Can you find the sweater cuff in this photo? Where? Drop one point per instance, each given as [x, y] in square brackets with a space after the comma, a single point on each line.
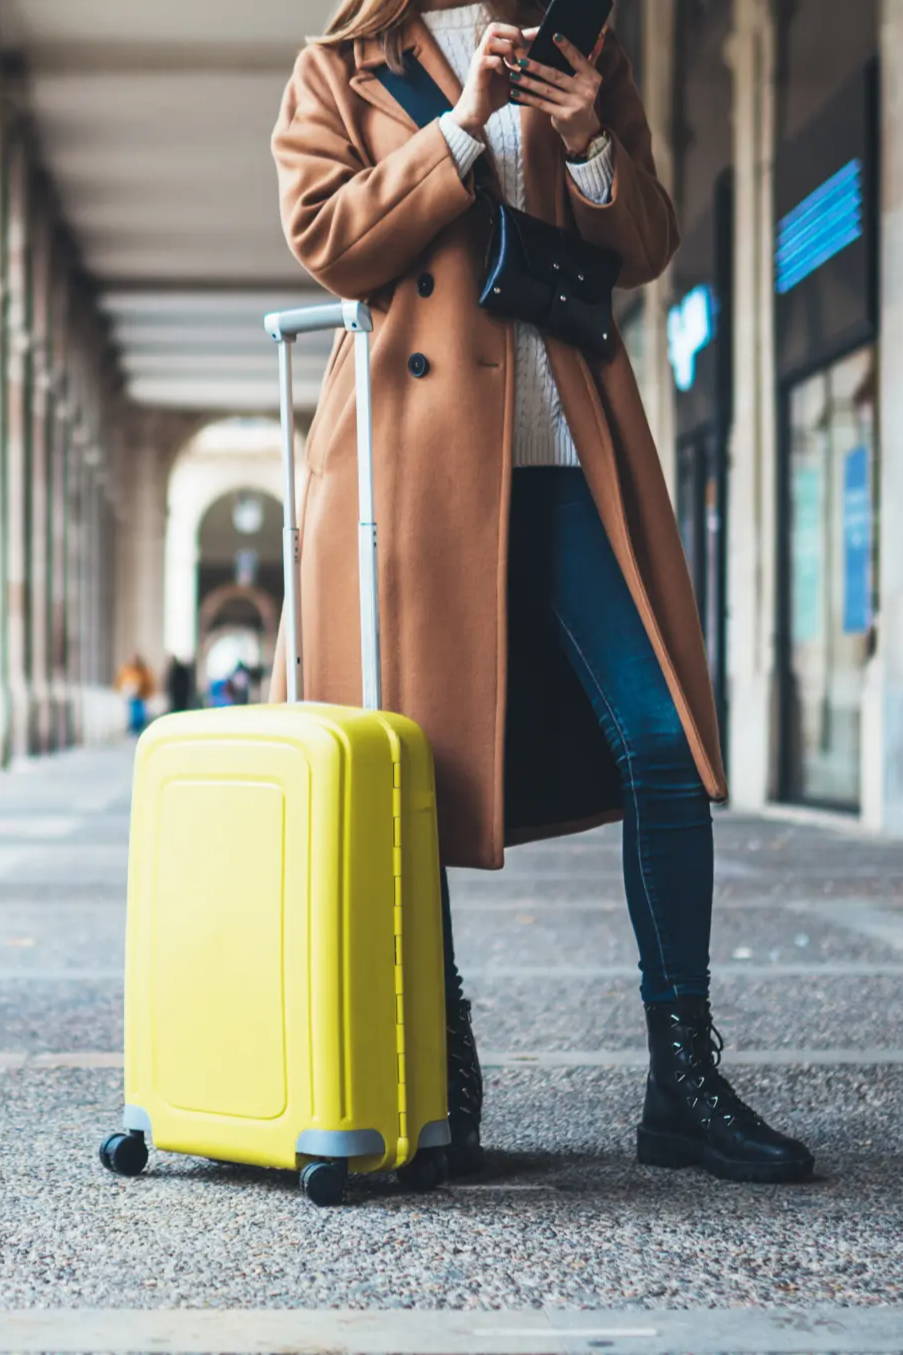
[594, 177]
[465, 149]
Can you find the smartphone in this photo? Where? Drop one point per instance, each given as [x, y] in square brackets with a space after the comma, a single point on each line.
[580, 20]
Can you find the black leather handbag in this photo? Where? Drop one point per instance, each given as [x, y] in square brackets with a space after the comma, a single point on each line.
[532, 271]
[551, 278]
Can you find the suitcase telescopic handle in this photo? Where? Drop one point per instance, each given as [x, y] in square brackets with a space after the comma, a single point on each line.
[284, 327]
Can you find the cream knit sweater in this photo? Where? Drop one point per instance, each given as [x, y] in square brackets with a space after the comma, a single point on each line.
[541, 434]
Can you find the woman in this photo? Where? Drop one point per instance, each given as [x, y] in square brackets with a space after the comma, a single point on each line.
[539, 618]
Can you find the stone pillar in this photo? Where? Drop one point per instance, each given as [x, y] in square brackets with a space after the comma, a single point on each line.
[60, 438]
[40, 230]
[90, 567]
[883, 717]
[75, 583]
[141, 531]
[752, 454]
[17, 453]
[659, 19]
[182, 559]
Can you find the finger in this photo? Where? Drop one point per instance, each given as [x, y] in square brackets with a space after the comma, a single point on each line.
[597, 50]
[550, 92]
[527, 36]
[548, 73]
[502, 46]
[498, 30]
[535, 101]
[573, 54]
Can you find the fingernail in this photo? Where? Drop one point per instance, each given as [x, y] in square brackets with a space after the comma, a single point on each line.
[523, 62]
[558, 37]
[515, 75]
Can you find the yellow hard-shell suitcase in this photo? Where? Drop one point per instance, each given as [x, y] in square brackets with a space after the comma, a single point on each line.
[284, 1000]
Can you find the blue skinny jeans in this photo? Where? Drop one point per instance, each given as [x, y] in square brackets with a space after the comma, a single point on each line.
[667, 846]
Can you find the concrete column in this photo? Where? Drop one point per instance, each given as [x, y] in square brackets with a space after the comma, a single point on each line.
[92, 563]
[75, 554]
[39, 611]
[4, 503]
[60, 435]
[659, 20]
[141, 535]
[883, 718]
[182, 559]
[17, 454]
[752, 455]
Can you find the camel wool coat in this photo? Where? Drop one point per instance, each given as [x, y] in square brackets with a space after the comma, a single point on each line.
[374, 209]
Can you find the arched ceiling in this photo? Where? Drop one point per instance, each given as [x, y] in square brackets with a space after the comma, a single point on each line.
[154, 118]
[219, 539]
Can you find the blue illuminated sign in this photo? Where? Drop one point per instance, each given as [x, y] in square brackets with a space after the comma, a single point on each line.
[824, 223]
[857, 542]
[691, 328]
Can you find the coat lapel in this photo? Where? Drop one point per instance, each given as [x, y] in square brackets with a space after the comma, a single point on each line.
[541, 145]
[417, 39]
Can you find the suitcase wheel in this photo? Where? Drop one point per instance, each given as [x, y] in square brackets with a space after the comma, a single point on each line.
[124, 1154]
[324, 1182]
[427, 1169]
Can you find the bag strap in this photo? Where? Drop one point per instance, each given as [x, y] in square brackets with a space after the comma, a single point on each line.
[415, 89]
[422, 99]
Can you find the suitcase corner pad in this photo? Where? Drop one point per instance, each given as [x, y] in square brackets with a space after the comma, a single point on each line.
[341, 1143]
[137, 1118]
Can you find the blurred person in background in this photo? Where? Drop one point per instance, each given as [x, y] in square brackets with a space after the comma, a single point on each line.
[136, 683]
[541, 619]
[179, 684]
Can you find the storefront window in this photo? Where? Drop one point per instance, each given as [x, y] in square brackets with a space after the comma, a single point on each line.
[830, 585]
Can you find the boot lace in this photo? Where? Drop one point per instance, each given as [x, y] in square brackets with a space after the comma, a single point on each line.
[701, 1046]
[465, 1079]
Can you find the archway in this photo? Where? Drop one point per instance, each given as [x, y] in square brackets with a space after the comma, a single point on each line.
[224, 502]
[237, 626]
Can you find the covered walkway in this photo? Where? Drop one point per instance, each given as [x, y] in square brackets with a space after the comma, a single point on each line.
[565, 1231]
[140, 249]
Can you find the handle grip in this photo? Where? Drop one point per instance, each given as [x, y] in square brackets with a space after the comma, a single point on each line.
[287, 325]
[284, 327]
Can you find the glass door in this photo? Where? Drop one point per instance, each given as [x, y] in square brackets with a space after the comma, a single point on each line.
[828, 579]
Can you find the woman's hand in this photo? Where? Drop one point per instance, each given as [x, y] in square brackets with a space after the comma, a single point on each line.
[570, 100]
[487, 87]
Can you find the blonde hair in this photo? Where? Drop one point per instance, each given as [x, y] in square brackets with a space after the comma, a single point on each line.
[385, 19]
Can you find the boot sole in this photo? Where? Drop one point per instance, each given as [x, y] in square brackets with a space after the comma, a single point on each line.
[465, 1160]
[658, 1149]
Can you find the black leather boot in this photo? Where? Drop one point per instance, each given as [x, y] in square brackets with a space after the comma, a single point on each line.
[465, 1092]
[693, 1116]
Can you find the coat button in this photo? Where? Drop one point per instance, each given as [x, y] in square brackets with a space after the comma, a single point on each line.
[418, 364]
[425, 284]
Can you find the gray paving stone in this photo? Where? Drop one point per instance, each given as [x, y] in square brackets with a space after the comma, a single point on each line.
[60, 1015]
[564, 1220]
[72, 935]
[564, 935]
[828, 1012]
[564, 1217]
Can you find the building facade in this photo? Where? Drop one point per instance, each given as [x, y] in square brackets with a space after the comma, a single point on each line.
[768, 355]
[778, 128]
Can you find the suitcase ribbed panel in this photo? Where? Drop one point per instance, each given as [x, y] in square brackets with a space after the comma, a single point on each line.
[398, 928]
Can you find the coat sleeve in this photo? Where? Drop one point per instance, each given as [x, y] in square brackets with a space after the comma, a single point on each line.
[355, 227]
[638, 221]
